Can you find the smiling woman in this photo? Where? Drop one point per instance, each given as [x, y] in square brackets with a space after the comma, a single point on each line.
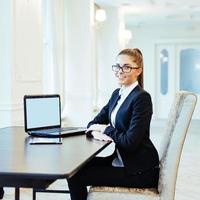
[124, 120]
[132, 67]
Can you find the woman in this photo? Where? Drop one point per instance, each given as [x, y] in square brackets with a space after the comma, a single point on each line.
[125, 120]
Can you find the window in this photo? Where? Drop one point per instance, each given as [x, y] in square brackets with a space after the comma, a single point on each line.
[164, 60]
[190, 70]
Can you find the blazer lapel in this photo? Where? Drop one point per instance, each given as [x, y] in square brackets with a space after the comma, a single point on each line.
[117, 97]
[129, 97]
[113, 103]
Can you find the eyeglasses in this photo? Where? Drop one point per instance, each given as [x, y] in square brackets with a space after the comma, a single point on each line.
[125, 68]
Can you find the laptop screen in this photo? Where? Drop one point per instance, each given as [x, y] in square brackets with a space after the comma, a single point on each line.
[42, 112]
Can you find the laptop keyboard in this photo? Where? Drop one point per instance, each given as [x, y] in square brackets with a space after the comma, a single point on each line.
[54, 130]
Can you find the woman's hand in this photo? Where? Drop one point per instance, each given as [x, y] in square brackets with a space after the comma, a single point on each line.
[100, 136]
[97, 127]
[97, 131]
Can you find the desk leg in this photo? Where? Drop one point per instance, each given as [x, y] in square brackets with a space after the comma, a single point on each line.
[34, 194]
[17, 193]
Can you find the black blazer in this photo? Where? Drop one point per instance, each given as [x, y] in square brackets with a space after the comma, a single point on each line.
[131, 132]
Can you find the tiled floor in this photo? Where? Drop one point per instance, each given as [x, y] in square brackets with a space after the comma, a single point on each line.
[188, 182]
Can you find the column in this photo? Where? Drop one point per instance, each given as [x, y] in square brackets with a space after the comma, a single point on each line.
[79, 61]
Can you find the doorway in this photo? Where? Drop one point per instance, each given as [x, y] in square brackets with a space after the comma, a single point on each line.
[177, 68]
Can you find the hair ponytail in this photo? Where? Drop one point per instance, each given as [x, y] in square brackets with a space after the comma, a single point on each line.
[140, 80]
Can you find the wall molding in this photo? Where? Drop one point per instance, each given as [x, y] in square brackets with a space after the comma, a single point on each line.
[11, 107]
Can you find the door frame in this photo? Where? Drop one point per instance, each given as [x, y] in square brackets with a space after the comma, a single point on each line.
[174, 46]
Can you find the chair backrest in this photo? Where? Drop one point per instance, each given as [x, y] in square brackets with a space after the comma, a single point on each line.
[177, 125]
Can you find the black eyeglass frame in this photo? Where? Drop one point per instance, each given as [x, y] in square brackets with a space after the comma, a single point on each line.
[117, 67]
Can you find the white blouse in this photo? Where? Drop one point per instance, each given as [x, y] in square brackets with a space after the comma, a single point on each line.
[123, 92]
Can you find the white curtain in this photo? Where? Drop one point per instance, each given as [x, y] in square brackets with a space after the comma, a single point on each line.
[53, 47]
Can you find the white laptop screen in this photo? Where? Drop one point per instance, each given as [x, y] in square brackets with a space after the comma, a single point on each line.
[42, 112]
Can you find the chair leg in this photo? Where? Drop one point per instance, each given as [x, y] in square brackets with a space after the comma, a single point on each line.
[17, 193]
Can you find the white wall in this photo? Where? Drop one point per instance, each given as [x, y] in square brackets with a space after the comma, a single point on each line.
[5, 61]
[28, 56]
[20, 57]
[107, 37]
[146, 37]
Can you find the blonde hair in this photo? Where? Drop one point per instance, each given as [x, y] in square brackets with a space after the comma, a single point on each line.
[137, 57]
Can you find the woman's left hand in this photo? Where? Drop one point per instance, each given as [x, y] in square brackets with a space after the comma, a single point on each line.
[100, 136]
[97, 127]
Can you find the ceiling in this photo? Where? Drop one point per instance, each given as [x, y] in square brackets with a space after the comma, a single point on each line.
[140, 12]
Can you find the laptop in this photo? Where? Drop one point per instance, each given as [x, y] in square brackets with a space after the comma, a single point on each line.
[42, 117]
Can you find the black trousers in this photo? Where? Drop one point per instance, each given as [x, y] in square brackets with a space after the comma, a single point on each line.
[100, 172]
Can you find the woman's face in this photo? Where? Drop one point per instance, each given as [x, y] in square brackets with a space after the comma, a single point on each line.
[127, 78]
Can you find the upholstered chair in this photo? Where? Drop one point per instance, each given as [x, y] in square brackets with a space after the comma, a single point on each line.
[170, 152]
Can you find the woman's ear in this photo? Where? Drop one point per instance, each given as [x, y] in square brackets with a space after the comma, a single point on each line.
[139, 71]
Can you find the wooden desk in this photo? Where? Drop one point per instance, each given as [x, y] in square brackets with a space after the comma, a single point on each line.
[36, 166]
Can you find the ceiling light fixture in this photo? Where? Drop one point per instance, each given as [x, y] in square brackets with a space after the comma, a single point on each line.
[127, 34]
[100, 15]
